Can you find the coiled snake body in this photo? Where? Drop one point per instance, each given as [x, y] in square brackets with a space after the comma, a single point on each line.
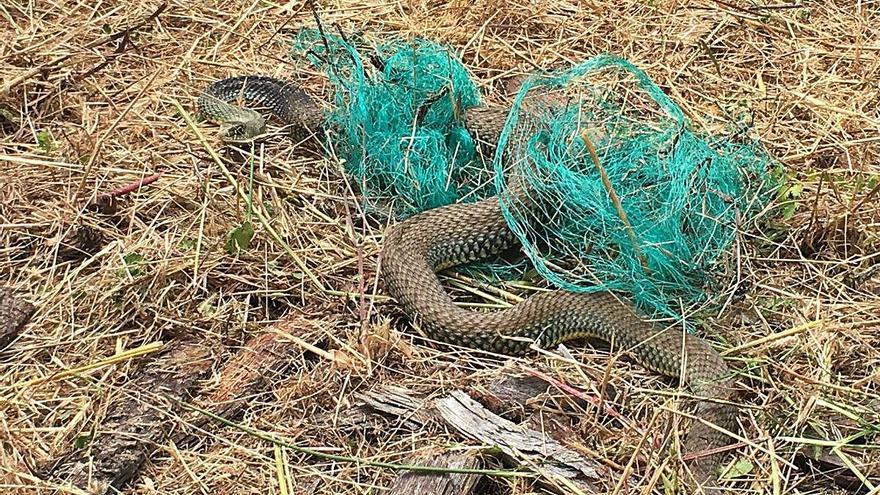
[415, 249]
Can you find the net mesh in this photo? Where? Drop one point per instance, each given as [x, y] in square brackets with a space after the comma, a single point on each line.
[396, 122]
[651, 210]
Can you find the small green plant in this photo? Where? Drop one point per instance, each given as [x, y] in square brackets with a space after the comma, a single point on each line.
[789, 199]
[240, 238]
[208, 307]
[788, 193]
[7, 114]
[133, 265]
[188, 243]
[82, 441]
[45, 142]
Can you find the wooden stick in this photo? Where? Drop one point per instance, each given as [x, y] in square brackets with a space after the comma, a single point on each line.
[616, 201]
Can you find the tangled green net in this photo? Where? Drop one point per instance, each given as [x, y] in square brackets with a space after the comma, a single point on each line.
[395, 120]
[658, 226]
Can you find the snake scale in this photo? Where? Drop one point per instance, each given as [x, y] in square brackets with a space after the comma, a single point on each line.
[416, 248]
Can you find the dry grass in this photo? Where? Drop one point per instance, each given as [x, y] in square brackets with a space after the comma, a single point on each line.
[80, 120]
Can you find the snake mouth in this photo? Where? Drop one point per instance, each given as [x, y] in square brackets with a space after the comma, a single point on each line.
[243, 129]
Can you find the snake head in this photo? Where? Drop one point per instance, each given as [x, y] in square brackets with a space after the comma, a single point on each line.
[246, 125]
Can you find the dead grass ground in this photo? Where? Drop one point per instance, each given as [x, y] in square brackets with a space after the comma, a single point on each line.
[79, 120]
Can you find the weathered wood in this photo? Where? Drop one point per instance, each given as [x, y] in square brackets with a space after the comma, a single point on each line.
[136, 422]
[250, 372]
[520, 444]
[14, 313]
[517, 442]
[400, 402]
[513, 393]
[410, 483]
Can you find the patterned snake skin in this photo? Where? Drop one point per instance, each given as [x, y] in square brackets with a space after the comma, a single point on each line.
[415, 249]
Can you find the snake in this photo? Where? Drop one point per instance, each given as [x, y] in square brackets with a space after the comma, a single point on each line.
[416, 249]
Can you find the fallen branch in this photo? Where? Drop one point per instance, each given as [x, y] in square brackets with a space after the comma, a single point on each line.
[559, 468]
[410, 483]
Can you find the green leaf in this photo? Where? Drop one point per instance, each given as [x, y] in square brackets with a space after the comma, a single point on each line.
[240, 238]
[788, 197]
[739, 468]
[133, 262]
[188, 243]
[45, 141]
[791, 190]
[206, 307]
[81, 441]
[788, 209]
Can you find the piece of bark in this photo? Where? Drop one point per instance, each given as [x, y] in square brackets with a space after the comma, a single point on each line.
[513, 393]
[521, 445]
[401, 403]
[410, 483]
[136, 422]
[828, 468]
[14, 313]
[544, 454]
[250, 372]
[259, 360]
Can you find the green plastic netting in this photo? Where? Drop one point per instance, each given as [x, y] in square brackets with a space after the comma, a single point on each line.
[679, 194]
[396, 122]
